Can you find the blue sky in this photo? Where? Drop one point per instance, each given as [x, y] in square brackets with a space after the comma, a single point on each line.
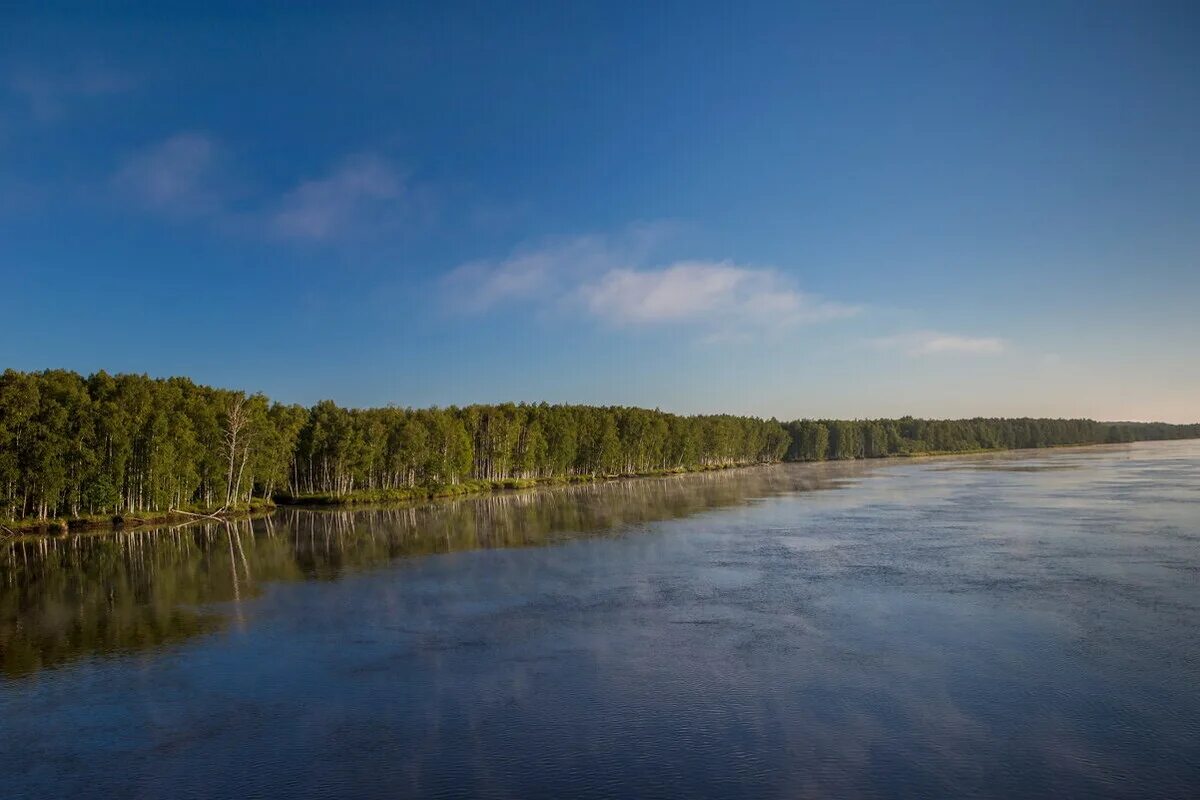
[782, 209]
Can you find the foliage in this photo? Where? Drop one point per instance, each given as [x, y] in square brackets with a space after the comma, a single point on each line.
[126, 444]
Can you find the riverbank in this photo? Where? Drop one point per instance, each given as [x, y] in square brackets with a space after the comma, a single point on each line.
[423, 494]
[475, 488]
[405, 496]
[471, 488]
[112, 522]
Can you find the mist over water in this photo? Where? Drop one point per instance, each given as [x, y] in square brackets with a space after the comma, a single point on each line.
[1021, 624]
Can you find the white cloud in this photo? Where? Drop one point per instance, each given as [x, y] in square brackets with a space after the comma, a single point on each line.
[935, 343]
[677, 292]
[716, 293]
[601, 277]
[50, 95]
[176, 176]
[362, 194]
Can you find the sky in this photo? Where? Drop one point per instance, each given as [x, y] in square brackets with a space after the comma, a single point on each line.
[783, 209]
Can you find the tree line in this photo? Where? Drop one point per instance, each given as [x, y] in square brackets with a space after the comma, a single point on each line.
[819, 440]
[126, 444]
[74, 446]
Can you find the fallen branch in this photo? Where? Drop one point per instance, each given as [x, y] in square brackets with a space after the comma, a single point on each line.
[9, 531]
[201, 516]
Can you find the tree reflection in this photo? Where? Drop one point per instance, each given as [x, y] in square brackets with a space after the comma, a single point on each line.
[77, 596]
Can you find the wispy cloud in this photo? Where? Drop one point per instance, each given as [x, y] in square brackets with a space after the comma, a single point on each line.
[605, 278]
[363, 194]
[50, 95]
[177, 176]
[547, 271]
[936, 343]
[189, 175]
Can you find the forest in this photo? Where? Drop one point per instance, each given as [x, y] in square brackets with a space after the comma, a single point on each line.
[122, 445]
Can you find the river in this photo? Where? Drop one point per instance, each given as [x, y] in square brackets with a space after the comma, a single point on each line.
[1018, 624]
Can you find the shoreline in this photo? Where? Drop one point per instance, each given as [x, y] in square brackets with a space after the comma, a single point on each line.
[32, 528]
[468, 489]
[477, 488]
[107, 523]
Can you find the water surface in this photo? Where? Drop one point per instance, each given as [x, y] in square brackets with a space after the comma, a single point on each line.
[1013, 625]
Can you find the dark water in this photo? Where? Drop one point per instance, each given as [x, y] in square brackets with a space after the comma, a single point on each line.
[1018, 625]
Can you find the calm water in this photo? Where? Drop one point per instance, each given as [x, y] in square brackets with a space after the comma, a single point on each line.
[1015, 625]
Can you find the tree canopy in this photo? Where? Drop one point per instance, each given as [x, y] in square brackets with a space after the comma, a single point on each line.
[120, 444]
[71, 445]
